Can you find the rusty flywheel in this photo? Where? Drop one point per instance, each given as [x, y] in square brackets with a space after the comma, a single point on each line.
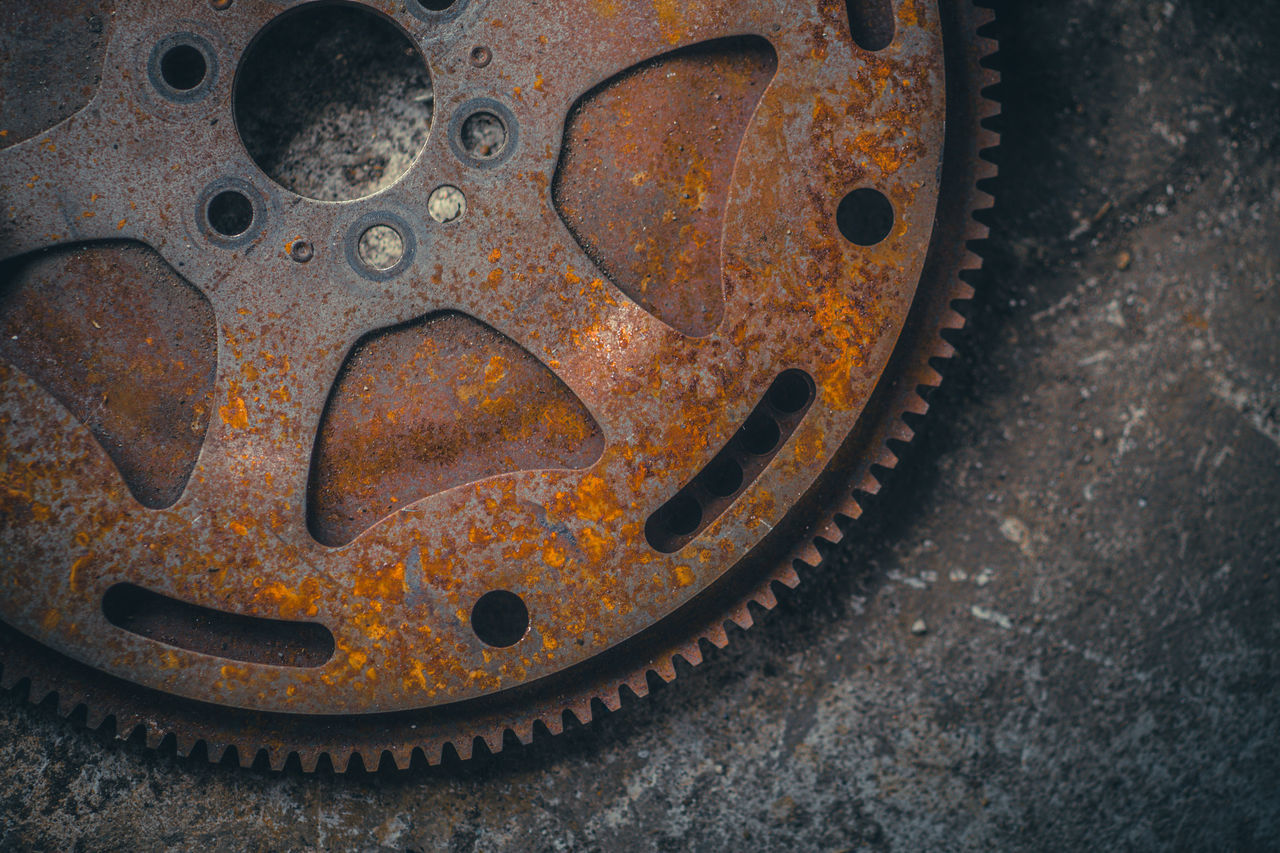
[287, 473]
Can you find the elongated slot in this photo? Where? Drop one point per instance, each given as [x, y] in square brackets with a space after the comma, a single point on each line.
[762, 435]
[248, 639]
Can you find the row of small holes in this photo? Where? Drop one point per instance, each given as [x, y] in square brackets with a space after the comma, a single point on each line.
[736, 466]
[501, 619]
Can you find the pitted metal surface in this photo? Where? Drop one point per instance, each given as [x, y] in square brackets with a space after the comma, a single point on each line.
[250, 429]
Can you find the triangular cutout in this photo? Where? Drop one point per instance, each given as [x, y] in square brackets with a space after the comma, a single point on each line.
[645, 171]
[126, 345]
[431, 405]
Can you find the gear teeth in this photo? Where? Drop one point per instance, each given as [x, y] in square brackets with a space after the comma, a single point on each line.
[741, 616]
[787, 576]
[691, 654]
[765, 598]
[523, 732]
[902, 432]
[665, 669]
[433, 753]
[276, 757]
[581, 710]
[492, 740]
[717, 636]
[637, 684]
[808, 554]
[555, 725]
[95, 717]
[308, 759]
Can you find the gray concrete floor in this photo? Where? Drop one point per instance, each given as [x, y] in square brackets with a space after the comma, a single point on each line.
[1089, 527]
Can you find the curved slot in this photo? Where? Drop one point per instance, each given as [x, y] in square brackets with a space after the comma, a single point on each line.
[871, 23]
[761, 436]
[248, 639]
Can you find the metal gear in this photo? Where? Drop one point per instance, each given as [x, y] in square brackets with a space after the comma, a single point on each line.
[437, 466]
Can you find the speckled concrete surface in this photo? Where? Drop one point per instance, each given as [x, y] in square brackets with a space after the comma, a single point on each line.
[1089, 531]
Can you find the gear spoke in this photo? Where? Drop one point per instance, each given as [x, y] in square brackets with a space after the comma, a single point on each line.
[275, 372]
[45, 201]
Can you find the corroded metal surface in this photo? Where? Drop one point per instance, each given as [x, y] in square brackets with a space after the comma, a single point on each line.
[504, 408]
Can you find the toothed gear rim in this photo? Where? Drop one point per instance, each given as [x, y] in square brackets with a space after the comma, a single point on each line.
[598, 680]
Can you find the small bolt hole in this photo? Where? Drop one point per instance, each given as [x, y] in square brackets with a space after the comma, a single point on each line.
[682, 514]
[230, 213]
[183, 67]
[484, 136]
[447, 204]
[436, 5]
[381, 247]
[500, 619]
[302, 251]
[759, 436]
[481, 56]
[865, 217]
[723, 478]
[791, 392]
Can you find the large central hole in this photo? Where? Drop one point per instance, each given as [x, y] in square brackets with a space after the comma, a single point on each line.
[333, 102]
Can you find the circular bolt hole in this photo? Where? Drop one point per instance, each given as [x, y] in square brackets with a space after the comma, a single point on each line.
[447, 204]
[865, 217]
[500, 619]
[333, 102]
[381, 247]
[723, 478]
[302, 251]
[759, 436]
[481, 56]
[436, 5]
[183, 67]
[791, 392]
[484, 135]
[230, 213]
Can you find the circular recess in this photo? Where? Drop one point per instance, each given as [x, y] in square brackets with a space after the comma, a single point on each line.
[317, 85]
[183, 67]
[683, 515]
[792, 391]
[302, 251]
[500, 619]
[435, 11]
[865, 217]
[759, 436]
[447, 204]
[380, 245]
[230, 213]
[483, 133]
[481, 56]
[723, 478]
